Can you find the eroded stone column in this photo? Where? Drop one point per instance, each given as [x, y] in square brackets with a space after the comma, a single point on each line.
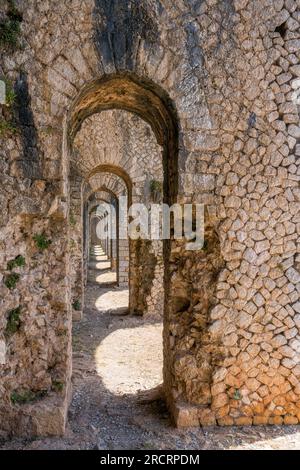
[76, 247]
[123, 262]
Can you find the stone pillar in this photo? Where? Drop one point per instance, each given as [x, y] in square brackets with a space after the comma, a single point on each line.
[146, 278]
[76, 248]
[113, 254]
[94, 237]
[86, 244]
[123, 263]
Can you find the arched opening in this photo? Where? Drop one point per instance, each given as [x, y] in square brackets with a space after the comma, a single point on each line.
[102, 248]
[115, 97]
[139, 96]
[103, 188]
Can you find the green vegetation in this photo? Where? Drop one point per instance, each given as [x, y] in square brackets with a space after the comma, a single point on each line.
[10, 27]
[76, 305]
[41, 241]
[10, 93]
[7, 128]
[237, 395]
[26, 396]
[57, 386]
[72, 220]
[18, 262]
[11, 280]
[156, 190]
[155, 186]
[148, 445]
[13, 321]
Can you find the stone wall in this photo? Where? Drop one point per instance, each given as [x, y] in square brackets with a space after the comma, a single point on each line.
[225, 75]
[76, 248]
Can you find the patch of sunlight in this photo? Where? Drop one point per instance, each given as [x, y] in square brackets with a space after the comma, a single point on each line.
[100, 258]
[106, 277]
[131, 359]
[112, 299]
[102, 265]
[286, 441]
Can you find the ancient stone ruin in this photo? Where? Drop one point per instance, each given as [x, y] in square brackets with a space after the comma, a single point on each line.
[182, 101]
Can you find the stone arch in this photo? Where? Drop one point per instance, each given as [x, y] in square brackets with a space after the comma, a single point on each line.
[97, 216]
[107, 195]
[79, 250]
[141, 96]
[136, 261]
[119, 181]
[115, 170]
[239, 154]
[126, 91]
[103, 189]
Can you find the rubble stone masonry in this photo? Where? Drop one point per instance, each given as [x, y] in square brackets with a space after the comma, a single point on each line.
[218, 83]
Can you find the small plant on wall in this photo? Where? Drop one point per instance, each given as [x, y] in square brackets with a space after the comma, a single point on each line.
[18, 262]
[76, 305]
[7, 128]
[21, 397]
[10, 27]
[72, 220]
[41, 241]
[237, 395]
[13, 321]
[57, 386]
[11, 280]
[10, 94]
[156, 190]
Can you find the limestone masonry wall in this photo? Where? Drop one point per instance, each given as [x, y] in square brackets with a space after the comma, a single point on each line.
[218, 82]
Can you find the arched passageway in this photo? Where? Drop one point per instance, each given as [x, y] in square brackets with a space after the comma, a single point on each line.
[139, 168]
[103, 255]
[102, 192]
[231, 339]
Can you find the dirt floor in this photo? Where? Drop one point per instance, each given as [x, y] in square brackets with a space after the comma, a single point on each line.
[117, 358]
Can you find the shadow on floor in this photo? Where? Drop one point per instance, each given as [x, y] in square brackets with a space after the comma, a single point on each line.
[106, 420]
[99, 269]
[113, 357]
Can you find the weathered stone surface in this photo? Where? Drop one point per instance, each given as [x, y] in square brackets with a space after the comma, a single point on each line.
[186, 416]
[222, 94]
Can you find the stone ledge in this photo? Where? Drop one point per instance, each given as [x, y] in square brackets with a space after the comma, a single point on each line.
[41, 419]
[185, 415]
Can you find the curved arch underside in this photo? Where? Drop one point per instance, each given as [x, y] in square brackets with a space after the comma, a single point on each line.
[100, 171]
[103, 191]
[139, 96]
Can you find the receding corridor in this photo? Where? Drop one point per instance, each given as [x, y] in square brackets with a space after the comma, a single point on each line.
[100, 270]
